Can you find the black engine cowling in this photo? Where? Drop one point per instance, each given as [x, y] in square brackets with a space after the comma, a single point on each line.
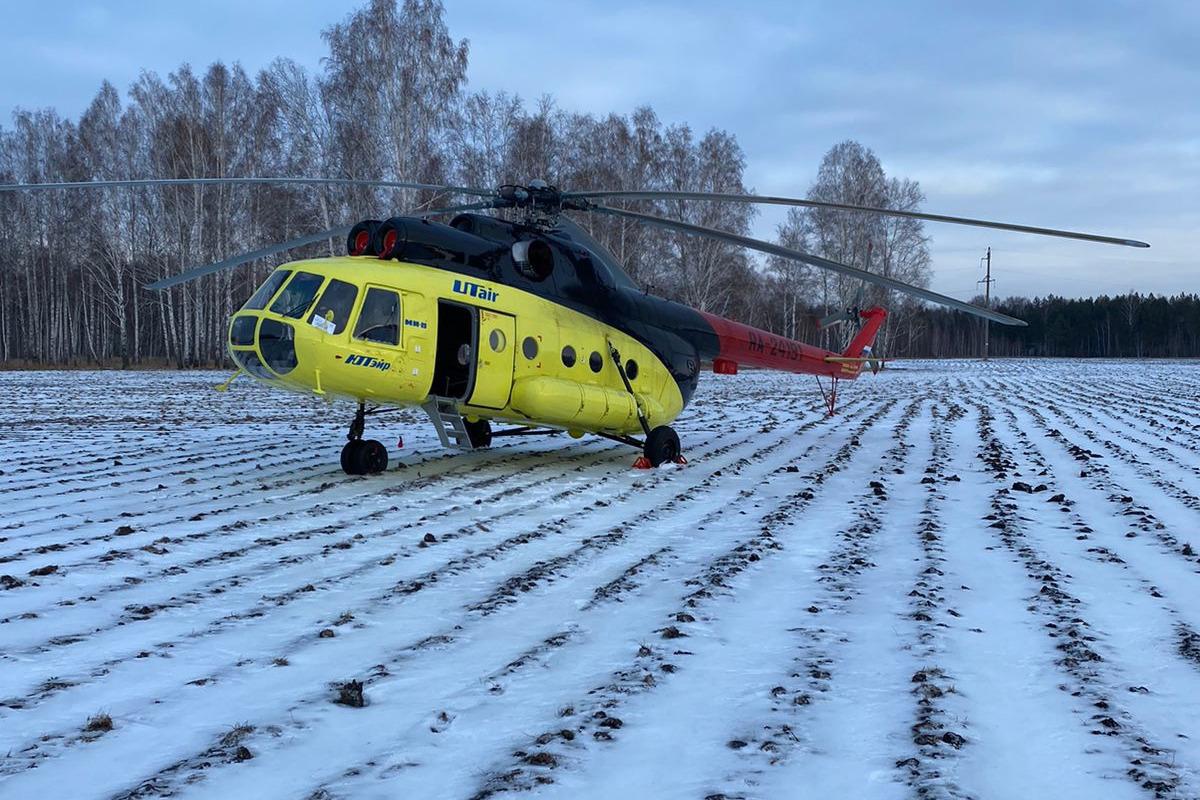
[423, 241]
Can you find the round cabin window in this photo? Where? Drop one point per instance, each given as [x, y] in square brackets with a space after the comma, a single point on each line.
[530, 348]
[631, 369]
[497, 341]
[595, 361]
[568, 356]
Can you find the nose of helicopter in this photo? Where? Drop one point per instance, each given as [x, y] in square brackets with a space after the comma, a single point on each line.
[276, 352]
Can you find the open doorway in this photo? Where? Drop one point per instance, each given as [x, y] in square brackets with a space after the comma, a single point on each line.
[457, 341]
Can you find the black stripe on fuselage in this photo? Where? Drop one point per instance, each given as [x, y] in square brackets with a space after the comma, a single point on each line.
[584, 280]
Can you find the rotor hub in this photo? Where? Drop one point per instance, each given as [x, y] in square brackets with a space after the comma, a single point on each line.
[541, 203]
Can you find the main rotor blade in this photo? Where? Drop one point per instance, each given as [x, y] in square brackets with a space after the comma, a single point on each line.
[141, 182]
[816, 261]
[434, 212]
[887, 212]
[234, 261]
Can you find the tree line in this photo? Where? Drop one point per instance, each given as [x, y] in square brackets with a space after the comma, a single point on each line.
[391, 103]
[1128, 326]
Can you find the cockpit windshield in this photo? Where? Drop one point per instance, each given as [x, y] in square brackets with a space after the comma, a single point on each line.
[298, 295]
[333, 312]
[268, 289]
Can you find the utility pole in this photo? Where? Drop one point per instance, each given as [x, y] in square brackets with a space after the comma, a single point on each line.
[987, 300]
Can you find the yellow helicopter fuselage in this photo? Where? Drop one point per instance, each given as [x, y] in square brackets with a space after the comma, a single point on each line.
[399, 334]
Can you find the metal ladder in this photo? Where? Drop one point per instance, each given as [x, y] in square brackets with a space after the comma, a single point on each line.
[450, 426]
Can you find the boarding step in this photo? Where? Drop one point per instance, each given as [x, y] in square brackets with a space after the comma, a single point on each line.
[448, 422]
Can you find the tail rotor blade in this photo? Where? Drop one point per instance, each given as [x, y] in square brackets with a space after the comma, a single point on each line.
[832, 320]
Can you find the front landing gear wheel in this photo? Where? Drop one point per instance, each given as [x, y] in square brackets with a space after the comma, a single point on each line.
[662, 445]
[364, 457]
[479, 432]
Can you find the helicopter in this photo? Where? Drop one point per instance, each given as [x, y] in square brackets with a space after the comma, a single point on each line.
[527, 321]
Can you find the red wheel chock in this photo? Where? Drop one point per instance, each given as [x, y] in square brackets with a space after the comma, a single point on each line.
[644, 463]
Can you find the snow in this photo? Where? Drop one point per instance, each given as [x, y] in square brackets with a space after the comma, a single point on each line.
[978, 580]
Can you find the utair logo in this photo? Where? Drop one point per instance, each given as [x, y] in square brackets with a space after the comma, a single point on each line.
[475, 290]
[369, 362]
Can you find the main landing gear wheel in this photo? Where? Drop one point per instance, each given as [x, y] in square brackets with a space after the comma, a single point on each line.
[364, 457]
[662, 445]
[479, 432]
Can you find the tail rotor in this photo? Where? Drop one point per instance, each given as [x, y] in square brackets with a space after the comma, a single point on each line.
[851, 313]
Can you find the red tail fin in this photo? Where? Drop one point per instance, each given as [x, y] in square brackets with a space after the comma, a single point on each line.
[865, 337]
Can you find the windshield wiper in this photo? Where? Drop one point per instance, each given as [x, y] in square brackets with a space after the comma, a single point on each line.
[297, 311]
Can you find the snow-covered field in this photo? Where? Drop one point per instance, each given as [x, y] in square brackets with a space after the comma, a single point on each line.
[977, 581]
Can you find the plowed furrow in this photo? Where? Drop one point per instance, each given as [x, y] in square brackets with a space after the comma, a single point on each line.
[407, 588]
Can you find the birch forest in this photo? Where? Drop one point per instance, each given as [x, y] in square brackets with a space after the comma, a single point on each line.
[391, 102]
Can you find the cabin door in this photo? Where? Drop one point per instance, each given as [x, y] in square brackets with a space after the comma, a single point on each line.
[494, 359]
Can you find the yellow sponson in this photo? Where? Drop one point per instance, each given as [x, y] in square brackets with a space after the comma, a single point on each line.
[503, 353]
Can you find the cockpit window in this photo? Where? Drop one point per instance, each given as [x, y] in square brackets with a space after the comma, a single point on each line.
[333, 310]
[298, 295]
[379, 319]
[268, 289]
[277, 340]
[241, 333]
[249, 361]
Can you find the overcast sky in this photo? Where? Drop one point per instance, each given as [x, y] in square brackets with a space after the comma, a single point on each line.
[1078, 115]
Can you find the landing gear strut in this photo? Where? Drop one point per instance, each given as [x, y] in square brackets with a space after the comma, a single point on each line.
[830, 397]
[662, 443]
[359, 456]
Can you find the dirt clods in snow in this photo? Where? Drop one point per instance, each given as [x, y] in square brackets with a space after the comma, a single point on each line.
[351, 694]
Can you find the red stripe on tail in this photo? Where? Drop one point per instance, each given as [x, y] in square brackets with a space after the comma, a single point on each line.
[747, 346]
